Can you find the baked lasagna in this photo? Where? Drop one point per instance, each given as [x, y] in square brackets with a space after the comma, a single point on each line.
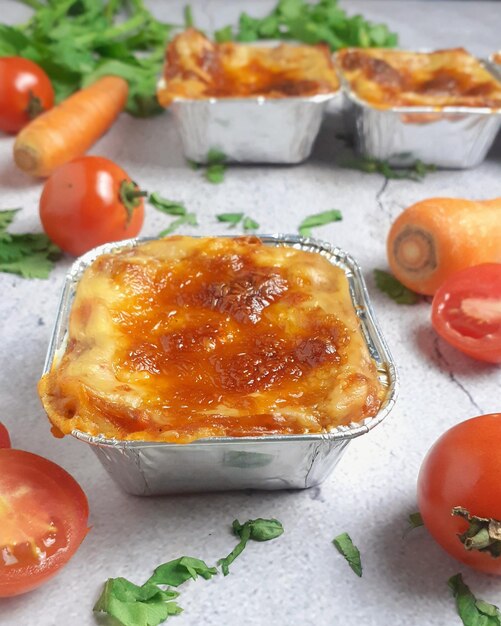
[183, 338]
[197, 68]
[394, 78]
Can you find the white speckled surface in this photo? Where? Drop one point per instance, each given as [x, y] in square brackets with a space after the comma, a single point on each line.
[299, 578]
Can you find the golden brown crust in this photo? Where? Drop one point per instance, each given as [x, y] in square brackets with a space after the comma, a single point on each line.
[390, 78]
[183, 338]
[197, 68]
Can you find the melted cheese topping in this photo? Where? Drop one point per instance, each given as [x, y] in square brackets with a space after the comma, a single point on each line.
[197, 68]
[389, 78]
[182, 338]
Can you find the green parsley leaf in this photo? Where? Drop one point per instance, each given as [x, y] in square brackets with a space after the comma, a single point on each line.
[180, 570]
[28, 255]
[170, 207]
[319, 219]
[136, 606]
[311, 22]
[392, 287]
[215, 173]
[190, 219]
[6, 218]
[216, 157]
[351, 553]
[415, 520]
[473, 612]
[257, 530]
[230, 218]
[249, 224]
[416, 172]
[223, 34]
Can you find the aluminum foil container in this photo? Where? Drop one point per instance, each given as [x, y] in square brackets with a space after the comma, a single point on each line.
[250, 130]
[224, 463]
[451, 137]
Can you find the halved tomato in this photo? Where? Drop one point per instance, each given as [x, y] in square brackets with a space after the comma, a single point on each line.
[4, 437]
[466, 311]
[43, 520]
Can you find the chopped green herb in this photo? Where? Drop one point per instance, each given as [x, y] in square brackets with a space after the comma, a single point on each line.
[415, 520]
[28, 255]
[180, 570]
[319, 219]
[417, 171]
[351, 553]
[170, 207]
[255, 529]
[190, 219]
[77, 41]
[230, 218]
[388, 284]
[249, 224]
[188, 17]
[215, 166]
[316, 22]
[473, 612]
[131, 605]
[236, 218]
[223, 34]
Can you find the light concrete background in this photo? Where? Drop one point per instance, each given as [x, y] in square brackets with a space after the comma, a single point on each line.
[299, 578]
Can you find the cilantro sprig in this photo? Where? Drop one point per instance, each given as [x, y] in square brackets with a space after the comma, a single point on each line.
[150, 604]
[173, 208]
[256, 529]
[77, 41]
[317, 22]
[345, 546]
[234, 219]
[28, 255]
[416, 171]
[319, 219]
[393, 288]
[472, 612]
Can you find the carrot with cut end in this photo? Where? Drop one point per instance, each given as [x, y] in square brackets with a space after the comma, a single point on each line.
[69, 130]
[434, 238]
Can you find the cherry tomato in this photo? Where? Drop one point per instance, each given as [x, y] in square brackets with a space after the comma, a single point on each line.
[463, 469]
[88, 202]
[4, 437]
[466, 311]
[25, 92]
[43, 520]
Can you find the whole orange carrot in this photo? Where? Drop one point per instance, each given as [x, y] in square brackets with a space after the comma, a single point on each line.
[70, 129]
[434, 238]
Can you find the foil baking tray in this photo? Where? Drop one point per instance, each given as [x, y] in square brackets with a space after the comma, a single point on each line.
[250, 130]
[225, 463]
[450, 137]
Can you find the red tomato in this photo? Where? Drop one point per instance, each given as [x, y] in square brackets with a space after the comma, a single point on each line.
[4, 437]
[466, 311]
[88, 202]
[43, 520]
[463, 469]
[25, 92]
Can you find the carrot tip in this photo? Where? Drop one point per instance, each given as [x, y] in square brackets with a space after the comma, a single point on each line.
[414, 251]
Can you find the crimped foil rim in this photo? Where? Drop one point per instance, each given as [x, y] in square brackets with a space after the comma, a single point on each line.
[446, 110]
[369, 325]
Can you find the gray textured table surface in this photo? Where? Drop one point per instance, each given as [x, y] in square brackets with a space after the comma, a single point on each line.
[300, 578]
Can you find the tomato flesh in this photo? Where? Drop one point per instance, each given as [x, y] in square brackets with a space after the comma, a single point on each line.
[43, 520]
[463, 469]
[25, 90]
[4, 437]
[466, 311]
[81, 206]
